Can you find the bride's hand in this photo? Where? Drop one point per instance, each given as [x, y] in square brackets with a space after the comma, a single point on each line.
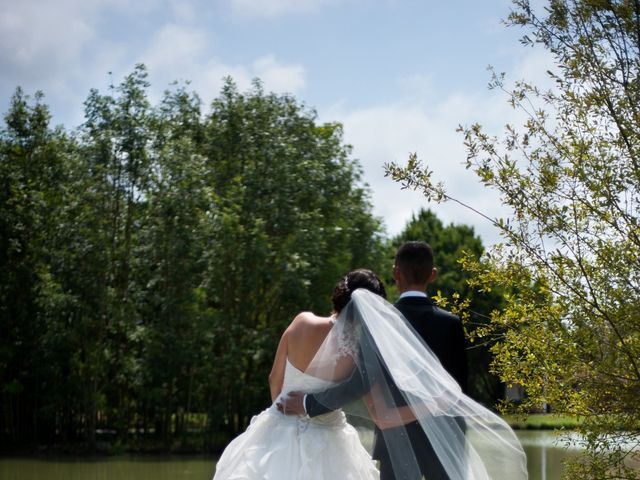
[291, 404]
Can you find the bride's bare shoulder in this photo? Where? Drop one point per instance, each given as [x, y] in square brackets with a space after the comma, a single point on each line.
[307, 322]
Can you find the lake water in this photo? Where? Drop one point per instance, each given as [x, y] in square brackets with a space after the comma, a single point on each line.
[545, 453]
[544, 457]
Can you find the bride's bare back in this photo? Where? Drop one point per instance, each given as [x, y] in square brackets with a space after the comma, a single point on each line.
[299, 343]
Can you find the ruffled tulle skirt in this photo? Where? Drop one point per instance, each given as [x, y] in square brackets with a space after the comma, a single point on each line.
[279, 447]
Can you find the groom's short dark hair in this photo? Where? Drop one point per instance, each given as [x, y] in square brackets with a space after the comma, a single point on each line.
[415, 261]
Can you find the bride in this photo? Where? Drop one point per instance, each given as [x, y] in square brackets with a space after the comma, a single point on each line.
[401, 386]
[280, 447]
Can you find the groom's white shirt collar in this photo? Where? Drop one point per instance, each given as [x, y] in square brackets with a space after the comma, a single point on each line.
[413, 293]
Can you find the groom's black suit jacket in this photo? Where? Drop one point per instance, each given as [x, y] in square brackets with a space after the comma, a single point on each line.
[444, 334]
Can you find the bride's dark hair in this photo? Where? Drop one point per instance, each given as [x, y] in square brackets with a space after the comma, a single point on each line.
[360, 278]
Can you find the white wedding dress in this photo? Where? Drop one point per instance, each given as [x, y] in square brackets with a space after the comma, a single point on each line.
[279, 447]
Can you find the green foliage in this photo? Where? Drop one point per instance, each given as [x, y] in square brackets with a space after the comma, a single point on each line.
[570, 174]
[291, 219]
[151, 260]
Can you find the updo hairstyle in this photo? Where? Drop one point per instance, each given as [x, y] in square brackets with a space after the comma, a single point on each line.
[360, 278]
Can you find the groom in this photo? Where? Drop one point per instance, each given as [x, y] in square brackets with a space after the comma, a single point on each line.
[442, 331]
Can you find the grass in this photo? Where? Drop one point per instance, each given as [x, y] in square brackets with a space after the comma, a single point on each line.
[542, 421]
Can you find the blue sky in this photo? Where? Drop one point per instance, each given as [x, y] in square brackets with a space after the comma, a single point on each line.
[399, 74]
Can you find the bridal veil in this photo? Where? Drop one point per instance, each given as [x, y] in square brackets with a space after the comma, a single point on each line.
[391, 376]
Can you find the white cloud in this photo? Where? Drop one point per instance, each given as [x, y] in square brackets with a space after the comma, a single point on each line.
[39, 37]
[183, 10]
[175, 49]
[179, 52]
[426, 124]
[418, 88]
[275, 76]
[385, 133]
[57, 47]
[279, 77]
[32, 42]
[388, 133]
[533, 67]
[275, 8]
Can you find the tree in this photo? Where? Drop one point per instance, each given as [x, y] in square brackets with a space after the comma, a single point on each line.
[175, 350]
[291, 218]
[114, 149]
[32, 165]
[570, 174]
[453, 244]
[151, 260]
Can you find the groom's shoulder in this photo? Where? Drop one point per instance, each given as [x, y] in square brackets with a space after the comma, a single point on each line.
[445, 315]
[425, 307]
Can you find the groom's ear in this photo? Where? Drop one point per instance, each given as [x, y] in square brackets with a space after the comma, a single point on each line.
[396, 273]
[434, 274]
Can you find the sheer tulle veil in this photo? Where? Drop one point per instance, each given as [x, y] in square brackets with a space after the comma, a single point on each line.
[406, 388]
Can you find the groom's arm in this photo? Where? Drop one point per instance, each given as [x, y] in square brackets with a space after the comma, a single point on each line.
[357, 385]
[336, 397]
[314, 404]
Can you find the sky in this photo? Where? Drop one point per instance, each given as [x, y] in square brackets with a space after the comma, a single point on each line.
[400, 75]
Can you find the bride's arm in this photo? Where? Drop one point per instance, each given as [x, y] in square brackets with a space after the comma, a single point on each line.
[384, 416]
[276, 377]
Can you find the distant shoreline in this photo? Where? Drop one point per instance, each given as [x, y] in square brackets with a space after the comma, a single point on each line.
[151, 447]
[543, 421]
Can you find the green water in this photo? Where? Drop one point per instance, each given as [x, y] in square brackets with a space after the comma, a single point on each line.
[110, 468]
[545, 454]
[544, 462]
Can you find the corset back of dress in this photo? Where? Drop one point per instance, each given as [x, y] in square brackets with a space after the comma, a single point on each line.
[297, 380]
